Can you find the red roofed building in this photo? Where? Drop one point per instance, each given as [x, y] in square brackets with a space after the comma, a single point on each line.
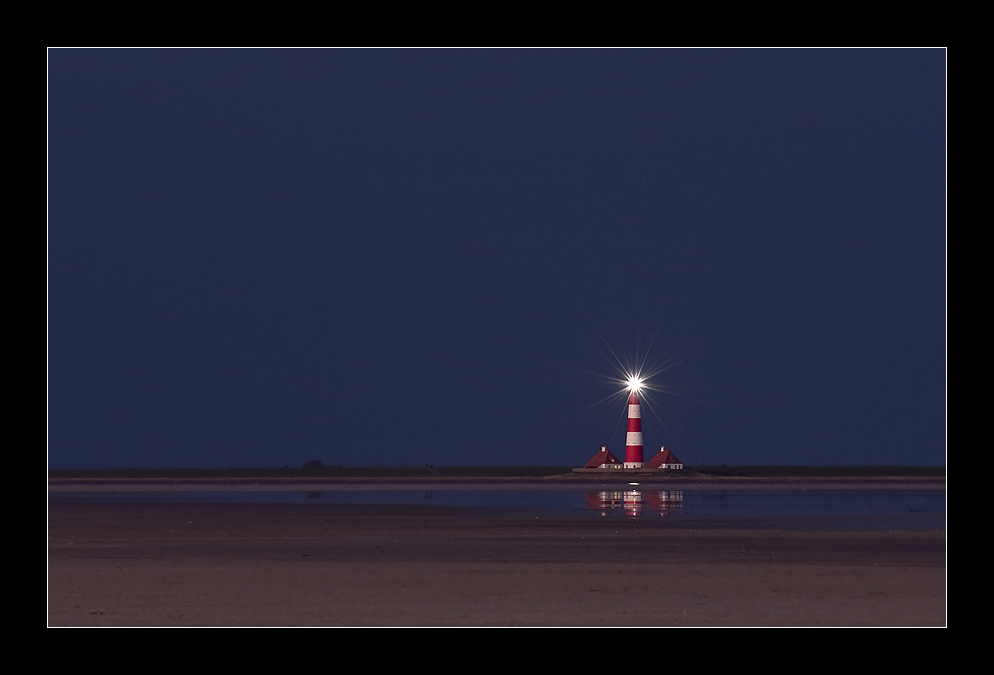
[664, 459]
[603, 460]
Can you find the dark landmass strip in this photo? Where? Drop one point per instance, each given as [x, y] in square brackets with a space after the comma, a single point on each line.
[563, 472]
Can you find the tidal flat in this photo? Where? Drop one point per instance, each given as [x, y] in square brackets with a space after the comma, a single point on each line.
[318, 563]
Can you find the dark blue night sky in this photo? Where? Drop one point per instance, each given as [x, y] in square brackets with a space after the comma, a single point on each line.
[401, 257]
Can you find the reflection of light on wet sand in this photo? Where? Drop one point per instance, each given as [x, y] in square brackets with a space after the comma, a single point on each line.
[603, 499]
[664, 501]
[635, 502]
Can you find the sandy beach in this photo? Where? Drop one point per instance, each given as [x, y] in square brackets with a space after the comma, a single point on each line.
[340, 565]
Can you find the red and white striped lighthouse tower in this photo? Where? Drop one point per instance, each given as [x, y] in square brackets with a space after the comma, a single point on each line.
[633, 444]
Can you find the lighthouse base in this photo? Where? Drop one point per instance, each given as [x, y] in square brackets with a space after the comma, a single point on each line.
[634, 465]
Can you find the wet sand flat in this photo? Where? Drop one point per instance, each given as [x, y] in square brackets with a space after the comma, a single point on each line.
[336, 565]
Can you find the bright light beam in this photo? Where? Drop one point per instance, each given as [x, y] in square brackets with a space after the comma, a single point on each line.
[634, 383]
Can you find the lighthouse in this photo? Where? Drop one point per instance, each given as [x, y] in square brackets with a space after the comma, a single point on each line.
[633, 444]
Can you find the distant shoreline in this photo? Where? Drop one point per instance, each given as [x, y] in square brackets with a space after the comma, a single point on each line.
[59, 484]
[557, 474]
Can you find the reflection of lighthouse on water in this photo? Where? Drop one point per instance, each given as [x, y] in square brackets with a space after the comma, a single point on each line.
[635, 502]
